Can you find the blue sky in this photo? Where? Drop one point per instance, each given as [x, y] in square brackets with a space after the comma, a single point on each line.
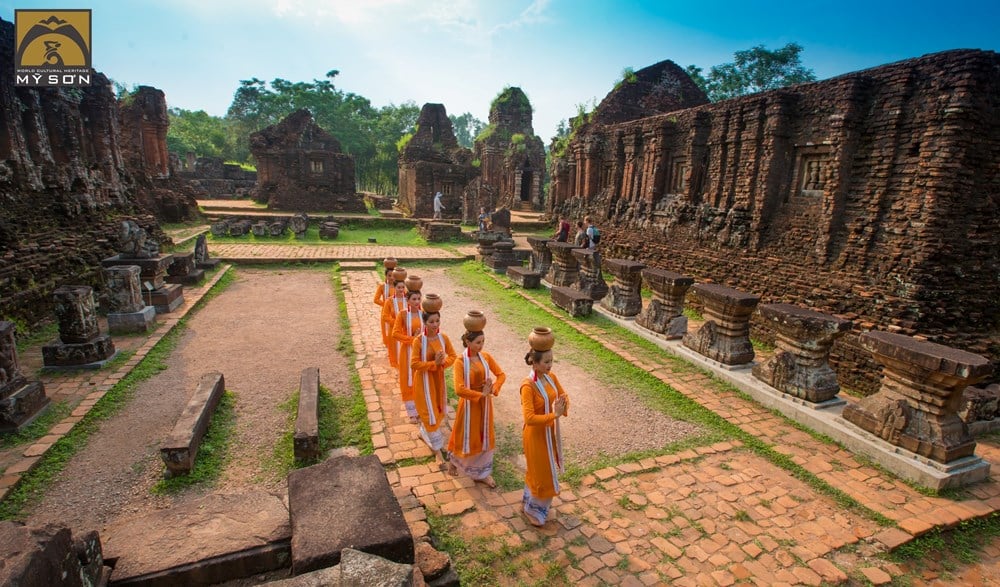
[462, 53]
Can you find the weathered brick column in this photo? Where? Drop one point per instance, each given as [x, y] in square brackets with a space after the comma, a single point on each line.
[725, 336]
[664, 313]
[624, 296]
[591, 280]
[541, 256]
[565, 271]
[916, 407]
[80, 340]
[801, 365]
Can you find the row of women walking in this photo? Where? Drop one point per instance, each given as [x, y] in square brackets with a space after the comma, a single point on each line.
[421, 353]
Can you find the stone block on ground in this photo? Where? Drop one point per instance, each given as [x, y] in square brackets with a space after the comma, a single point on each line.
[361, 569]
[181, 447]
[142, 321]
[525, 277]
[573, 301]
[51, 555]
[341, 503]
[217, 538]
[306, 439]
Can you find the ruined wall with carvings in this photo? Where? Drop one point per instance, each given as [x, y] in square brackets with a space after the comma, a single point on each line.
[432, 161]
[65, 184]
[874, 195]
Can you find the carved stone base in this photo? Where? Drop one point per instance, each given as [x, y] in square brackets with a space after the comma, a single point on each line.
[916, 431]
[728, 350]
[21, 404]
[209, 264]
[152, 270]
[622, 302]
[786, 373]
[82, 355]
[167, 298]
[193, 278]
[132, 322]
[661, 318]
[526, 278]
[576, 303]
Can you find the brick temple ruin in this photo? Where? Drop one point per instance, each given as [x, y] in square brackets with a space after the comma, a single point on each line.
[301, 167]
[874, 195]
[431, 162]
[74, 163]
[215, 179]
[511, 157]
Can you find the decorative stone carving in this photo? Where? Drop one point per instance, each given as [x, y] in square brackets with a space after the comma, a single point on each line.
[591, 280]
[541, 256]
[134, 243]
[299, 224]
[20, 400]
[502, 257]
[725, 336]
[801, 366]
[565, 270]
[127, 312]
[80, 343]
[916, 407]
[664, 314]
[183, 269]
[201, 258]
[625, 294]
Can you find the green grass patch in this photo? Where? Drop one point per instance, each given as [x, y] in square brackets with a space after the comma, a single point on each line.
[41, 334]
[693, 314]
[962, 545]
[483, 560]
[32, 486]
[350, 233]
[508, 447]
[37, 428]
[211, 457]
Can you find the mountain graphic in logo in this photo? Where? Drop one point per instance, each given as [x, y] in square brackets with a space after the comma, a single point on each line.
[55, 42]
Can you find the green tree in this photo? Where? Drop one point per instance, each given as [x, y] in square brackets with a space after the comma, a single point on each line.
[753, 70]
[200, 133]
[467, 127]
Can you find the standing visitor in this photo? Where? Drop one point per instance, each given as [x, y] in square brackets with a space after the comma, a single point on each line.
[581, 239]
[543, 402]
[438, 206]
[484, 218]
[390, 309]
[478, 380]
[431, 353]
[562, 234]
[407, 328]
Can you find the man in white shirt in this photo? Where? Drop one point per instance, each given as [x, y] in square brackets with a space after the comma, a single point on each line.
[438, 206]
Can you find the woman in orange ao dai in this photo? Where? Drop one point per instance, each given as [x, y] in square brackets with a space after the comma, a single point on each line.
[392, 306]
[430, 354]
[407, 327]
[477, 379]
[543, 402]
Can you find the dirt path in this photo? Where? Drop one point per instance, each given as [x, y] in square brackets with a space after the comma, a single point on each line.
[260, 333]
[606, 420]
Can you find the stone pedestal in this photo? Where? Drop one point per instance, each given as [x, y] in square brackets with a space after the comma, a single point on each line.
[502, 257]
[184, 271]
[152, 271]
[201, 259]
[21, 401]
[801, 366]
[524, 277]
[725, 336]
[625, 294]
[127, 313]
[329, 229]
[591, 281]
[664, 314]
[573, 301]
[260, 228]
[439, 232]
[916, 407]
[565, 270]
[80, 343]
[486, 240]
[541, 256]
[168, 298]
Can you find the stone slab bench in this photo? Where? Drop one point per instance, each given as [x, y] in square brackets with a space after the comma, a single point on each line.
[306, 440]
[345, 502]
[573, 301]
[524, 277]
[181, 447]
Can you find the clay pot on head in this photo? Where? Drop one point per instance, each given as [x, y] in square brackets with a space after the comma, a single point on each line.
[541, 339]
[398, 274]
[390, 262]
[413, 283]
[431, 303]
[474, 321]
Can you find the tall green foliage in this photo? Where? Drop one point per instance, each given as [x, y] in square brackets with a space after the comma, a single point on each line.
[201, 133]
[753, 70]
[466, 127]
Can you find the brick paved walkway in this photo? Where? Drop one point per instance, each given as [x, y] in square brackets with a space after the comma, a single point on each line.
[715, 515]
[258, 253]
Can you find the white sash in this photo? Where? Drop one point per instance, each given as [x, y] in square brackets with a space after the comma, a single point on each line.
[487, 400]
[427, 384]
[409, 332]
[395, 306]
[552, 436]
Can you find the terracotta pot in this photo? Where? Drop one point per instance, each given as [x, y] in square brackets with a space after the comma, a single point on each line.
[398, 274]
[390, 262]
[474, 321]
[541, 339]
[414, 283]
[431, 303]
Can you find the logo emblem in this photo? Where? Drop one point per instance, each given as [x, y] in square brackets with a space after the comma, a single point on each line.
[52, 48]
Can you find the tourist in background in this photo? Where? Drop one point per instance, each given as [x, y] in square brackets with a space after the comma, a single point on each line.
[477, 379]
[543, 402]
[408, 326]
[484, 219]
[562, 233]
[580, 239]
[431, 353]
[593, 237]
[438, 206]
